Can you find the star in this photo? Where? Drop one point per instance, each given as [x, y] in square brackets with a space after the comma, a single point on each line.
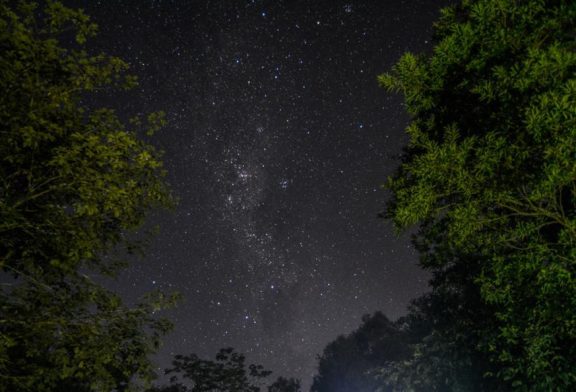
[278, 140]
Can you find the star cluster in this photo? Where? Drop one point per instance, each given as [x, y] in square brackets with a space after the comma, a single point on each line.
[278, 141]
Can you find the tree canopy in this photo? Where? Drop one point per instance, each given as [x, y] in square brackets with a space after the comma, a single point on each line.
[283, 384]
[73, 179]
[489, 176]
[74, 182]
[228, 372]
[349, 363]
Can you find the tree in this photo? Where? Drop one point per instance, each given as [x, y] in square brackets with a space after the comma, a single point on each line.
[285, 385]
[349, 363]
[490, 176]
[54, 341]
[74, 182]
[228, 372]
[442, 331]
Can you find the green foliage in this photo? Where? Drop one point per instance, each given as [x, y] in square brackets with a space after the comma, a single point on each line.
[54, 341]
[73, 183]
[490, 176]
[71, 180]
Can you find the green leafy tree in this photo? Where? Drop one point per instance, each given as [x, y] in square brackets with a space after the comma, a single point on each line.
[75, 336]
[74, 183]
[490, 176]
[72, 179]
[227, 373]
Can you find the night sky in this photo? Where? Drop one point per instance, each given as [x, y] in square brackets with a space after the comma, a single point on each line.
[278, 142]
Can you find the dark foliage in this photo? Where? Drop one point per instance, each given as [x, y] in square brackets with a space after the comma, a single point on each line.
[351, 363]
[227, 373]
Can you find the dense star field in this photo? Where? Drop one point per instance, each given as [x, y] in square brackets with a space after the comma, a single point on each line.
[278, 141]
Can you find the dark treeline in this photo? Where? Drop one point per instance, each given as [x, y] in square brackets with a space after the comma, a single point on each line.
[488, 178]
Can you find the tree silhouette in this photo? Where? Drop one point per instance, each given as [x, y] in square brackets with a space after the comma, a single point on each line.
[285, 385]
[350, 362]
[227, 373]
